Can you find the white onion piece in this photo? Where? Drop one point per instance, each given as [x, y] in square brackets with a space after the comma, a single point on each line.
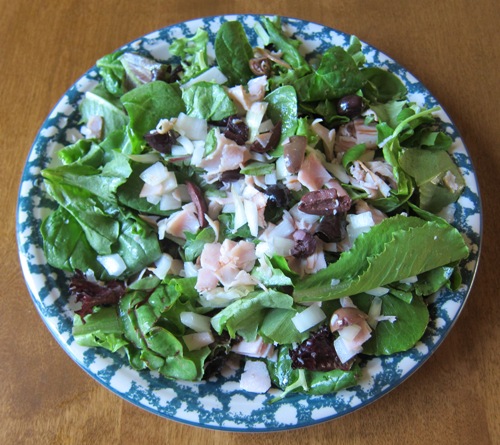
[282, 246]
[377, 291]
[190, 270]
[155, 174]
[308, 318]
[147, 158]
[374, 312]
[338, 171]
[198, 340]
[343, 351]
[409, 280]
[348, 333]
[197, 322]
[281, 171]
[254, 118]
[347, 302]
[213, 74]
[252, 216]
[163, 265]
[255, 377]
[186, 143]
[191, 127]
[113, 264]
[169, 202]
[151, 190]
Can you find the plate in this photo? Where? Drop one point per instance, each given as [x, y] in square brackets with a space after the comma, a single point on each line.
[219, 403]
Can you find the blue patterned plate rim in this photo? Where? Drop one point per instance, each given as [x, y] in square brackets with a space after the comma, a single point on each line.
[219, 403]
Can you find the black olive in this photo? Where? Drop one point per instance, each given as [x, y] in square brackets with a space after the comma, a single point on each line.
[279, 195]
[331, 229]
[350, 106]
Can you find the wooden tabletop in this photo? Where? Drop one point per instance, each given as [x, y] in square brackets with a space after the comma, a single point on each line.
[451, 46]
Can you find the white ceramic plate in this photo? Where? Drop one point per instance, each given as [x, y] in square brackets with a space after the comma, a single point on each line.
[219, 404]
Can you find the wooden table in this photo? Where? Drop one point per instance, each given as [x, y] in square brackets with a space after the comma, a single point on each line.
[451, 46]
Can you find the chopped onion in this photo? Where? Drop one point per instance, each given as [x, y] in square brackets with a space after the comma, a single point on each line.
[409, 280]
[169, 202]
[343, 351]
[252, 216]
[338, 171]
[281, 171]
[255, 377]
[254, 118]
[186, 143]
[113, 264]
[349, 333]
[190, 269]
[347, 302]
[163, 265]
[198, 340]
[377, 291]
[192, 127]
[155, 174]
[308, 318]
[282, 246]
[197, 322]
[374, 312]
[213, 74]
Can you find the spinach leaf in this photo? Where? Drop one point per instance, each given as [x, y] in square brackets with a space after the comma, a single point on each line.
[65, 244]
[389, 338]
[149, 103]
[233, 53]
[277, 326]
[208, 101]
[337, 76]
[99, 102]
[97, 217]
[438, 179]
[282, 106]
[382, 86]
[288, 46]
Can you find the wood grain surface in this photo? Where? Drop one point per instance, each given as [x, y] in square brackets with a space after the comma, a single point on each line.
[451, 46]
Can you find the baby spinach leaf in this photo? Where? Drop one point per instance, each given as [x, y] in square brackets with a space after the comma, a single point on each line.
[288, 46]
[102, 329]
[149, 103]
[233, 53]
[65, 244]
[99, 102]
[438, 179]
[196, 242]
[337, 76]
[208, 101]
[398, 336]
[382, 86]
[282, 106]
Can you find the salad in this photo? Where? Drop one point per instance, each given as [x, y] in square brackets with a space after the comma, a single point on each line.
[255, 205]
